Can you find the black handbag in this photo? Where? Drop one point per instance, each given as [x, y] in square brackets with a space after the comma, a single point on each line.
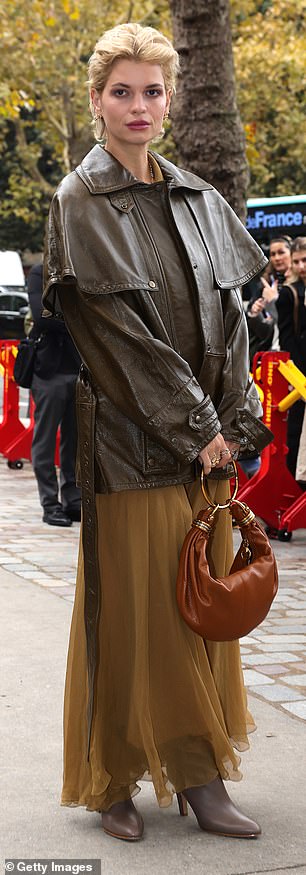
[25, 362]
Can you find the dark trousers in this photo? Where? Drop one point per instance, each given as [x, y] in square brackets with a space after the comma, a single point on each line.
[55, 407]
[294, 428]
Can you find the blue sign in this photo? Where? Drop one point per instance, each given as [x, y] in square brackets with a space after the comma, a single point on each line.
[261, 219]
[269, 217]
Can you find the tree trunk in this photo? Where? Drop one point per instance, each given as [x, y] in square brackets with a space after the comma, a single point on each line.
[206, 125]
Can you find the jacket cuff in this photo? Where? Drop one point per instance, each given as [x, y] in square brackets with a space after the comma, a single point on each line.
[256, 433]
[184, 429]
[251, 433]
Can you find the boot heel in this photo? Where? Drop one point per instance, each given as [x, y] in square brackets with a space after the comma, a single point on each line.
[182, 804]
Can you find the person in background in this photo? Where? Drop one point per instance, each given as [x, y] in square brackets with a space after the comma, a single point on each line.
[261, 327]
[261, 311]
[53, 388]
[260, 296]
[291, 307]
[261, 324]
[279, 268]
[300, 473]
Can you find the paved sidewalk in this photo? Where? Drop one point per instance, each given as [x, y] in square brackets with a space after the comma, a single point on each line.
[37, 572]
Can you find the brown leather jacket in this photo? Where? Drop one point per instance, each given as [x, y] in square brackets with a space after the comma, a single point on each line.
[152, 415]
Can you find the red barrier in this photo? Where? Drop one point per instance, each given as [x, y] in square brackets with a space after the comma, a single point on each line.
[273, 491]
[15, 438]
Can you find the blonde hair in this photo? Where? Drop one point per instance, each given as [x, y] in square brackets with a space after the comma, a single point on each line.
[137, 43]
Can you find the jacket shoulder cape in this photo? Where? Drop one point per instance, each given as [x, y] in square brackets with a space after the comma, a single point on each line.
[100, 174]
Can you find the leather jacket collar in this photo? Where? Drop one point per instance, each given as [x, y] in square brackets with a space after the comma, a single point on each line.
[102, 173]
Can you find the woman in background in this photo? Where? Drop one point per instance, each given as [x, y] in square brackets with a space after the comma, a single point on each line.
[262, 316]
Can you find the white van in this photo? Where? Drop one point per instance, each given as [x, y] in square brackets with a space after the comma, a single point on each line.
[13, 296]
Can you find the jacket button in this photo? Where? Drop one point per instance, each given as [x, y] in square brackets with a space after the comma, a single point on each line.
[152, 284]
[197, 418]
[124, 205]
[151, 462]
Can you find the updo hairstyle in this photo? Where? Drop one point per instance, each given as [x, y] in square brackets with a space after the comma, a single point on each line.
[134, 42]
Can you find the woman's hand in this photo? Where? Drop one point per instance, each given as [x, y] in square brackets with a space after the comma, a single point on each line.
[234, 447]
[257, 307]
[269, 293]
[216, 454]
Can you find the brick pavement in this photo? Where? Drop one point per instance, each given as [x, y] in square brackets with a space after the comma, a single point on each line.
[274, 655]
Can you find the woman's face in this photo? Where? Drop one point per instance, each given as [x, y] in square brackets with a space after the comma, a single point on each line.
[298, 261]
[133, 103]
[280, 256]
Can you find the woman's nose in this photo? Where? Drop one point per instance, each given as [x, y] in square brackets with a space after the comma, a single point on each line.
[138, 103]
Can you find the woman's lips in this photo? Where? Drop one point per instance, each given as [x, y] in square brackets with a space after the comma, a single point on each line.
[138, 125]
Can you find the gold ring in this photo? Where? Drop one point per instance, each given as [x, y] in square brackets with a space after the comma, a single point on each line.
[206, 493]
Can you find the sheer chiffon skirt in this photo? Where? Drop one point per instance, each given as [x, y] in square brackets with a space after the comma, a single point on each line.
[168, 706]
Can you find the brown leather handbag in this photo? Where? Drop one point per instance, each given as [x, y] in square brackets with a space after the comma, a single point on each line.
[226, 608]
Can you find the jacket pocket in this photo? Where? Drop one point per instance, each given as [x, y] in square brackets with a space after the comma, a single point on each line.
[100, 286]
[158, 460]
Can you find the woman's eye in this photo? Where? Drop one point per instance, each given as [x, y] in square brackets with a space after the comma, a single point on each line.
[119, 92]
[153, 92]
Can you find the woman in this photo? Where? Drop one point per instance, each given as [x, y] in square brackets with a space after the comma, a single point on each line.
[261, 311]
[279, 267]
[144, 261]
[292, 333]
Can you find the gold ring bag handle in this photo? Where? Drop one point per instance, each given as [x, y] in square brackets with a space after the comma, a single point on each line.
[204, 487]
[226, 608]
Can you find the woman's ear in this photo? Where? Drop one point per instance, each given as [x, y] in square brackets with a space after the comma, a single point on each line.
[168, 102]
[95, 101]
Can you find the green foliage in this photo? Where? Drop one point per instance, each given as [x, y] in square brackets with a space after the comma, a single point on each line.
[44, 121]
[270, 51]
[45, 48]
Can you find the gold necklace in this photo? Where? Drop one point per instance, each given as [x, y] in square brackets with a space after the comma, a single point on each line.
[151, 168]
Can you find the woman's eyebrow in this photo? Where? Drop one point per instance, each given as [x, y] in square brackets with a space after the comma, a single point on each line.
[124, 85]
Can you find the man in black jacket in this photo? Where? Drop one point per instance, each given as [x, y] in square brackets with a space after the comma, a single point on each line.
[53, 388]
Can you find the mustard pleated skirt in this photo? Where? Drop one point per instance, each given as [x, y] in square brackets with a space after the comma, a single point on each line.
[169, 706]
